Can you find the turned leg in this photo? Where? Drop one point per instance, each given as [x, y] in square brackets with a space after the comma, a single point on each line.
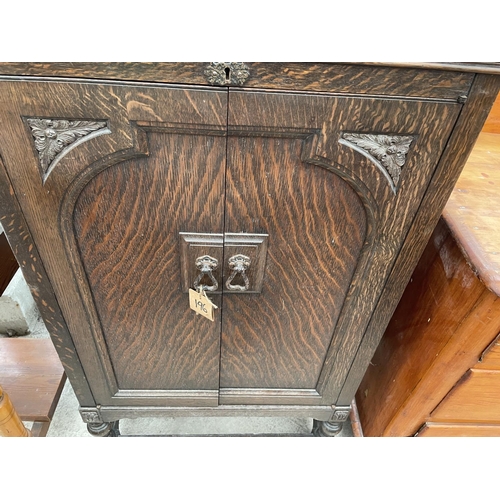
[326, 429]
[104, 429]
[331, 427]
[10, 423]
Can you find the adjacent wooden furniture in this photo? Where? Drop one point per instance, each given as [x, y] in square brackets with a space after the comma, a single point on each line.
[11, 424]
[8, 263]
[436, 371]
[299, 196]
[33, 377]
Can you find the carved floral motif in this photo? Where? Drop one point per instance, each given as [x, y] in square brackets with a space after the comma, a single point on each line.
[53, 137]
[389, 150]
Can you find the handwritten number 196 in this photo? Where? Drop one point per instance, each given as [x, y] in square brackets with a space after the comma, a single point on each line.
[201, 305]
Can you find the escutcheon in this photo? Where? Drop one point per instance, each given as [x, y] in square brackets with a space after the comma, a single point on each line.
[227, 73]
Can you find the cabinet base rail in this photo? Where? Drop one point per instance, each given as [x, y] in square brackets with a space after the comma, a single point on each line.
[100, 414]
[104, 422]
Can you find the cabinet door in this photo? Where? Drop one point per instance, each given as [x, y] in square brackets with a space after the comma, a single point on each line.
[107, 177]
[334, 182]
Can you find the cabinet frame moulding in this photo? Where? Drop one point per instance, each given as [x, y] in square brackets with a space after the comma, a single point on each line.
[104, 401]
[458, 147]
[23, 244]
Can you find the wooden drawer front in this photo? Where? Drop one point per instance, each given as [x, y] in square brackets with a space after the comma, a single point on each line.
[433, 429]
[476, 398]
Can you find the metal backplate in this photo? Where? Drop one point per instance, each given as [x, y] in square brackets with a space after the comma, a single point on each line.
[255, 247]
[194, 245]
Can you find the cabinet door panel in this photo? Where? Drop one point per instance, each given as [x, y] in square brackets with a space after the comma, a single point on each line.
[104, 204]
[316, 225]
[335, 181]
[127, 223]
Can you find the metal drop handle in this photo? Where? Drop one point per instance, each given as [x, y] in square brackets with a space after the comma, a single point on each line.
[239, 264]
[206, 265]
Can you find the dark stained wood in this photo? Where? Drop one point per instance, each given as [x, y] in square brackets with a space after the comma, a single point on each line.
[359, 80]
[253, 113]
[267, 395]
[417, 363]
[40, 287]
[106, 221]
[130, 249]
[280, 337]
[8, 263]
[434, 429]
[457, 150]
[49, 207]
[319, 77]
[472, 212]
[475, 398]
[112, 413]
[489, 68]
[32, 374]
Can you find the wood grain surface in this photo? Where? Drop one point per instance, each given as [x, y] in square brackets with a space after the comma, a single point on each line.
[32, 374]
[475, 398]
[425, 349]
[263, 114]
[106, 219]
[127, 224]
[316, 226]
[490, 358]
[11, 424]
[24, 247]
[48, 208]
[435, 429]
[421, 355]
[473, 210]
[436, 83]
[451, 162]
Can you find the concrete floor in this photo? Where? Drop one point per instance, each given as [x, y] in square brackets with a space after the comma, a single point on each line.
[68, 423]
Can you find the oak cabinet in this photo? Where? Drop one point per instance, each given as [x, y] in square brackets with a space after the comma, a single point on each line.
[300, 200]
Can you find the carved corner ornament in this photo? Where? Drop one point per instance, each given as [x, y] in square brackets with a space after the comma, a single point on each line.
[341, 415]
[227, 73]
[90, 416]
[387, 152]
[54, 138]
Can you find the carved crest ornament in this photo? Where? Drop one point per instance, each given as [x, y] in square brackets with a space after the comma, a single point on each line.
[387, 152]
[54, 138]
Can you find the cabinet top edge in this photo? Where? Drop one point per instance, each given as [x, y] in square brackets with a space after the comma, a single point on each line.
[50, 68]
[448, 81]
[492, 68]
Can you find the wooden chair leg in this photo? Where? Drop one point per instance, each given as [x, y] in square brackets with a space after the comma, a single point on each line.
[40, 429]
[10, 423]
